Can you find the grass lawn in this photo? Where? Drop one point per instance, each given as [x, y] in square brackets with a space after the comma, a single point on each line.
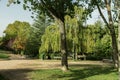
[3, 55]
[92, 73]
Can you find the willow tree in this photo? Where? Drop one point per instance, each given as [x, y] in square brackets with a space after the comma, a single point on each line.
[50, 39]
[72, 34]
[74, 30]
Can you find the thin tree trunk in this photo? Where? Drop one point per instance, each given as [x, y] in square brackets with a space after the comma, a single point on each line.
[119, 43]
[74, 51]
[118, 8]
[63, 47]
[111, 29]
[112, 32]
[114, 47]
[64, 61]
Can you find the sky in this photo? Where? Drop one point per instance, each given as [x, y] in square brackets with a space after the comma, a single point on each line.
[15, 12]
[12, 13]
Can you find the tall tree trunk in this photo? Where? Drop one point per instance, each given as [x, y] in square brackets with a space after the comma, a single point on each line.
[64, 61]
[111, 29]
[118, 8]
[74, 51]
[119, 42]
[63, 47]
[113, 33]
[114, 47]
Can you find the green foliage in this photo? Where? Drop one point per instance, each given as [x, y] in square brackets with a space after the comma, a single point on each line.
[11, 30]
[96, 41]
[22, 36]
[19, 33]
[91, 39]
[33, 43]
[42, 56]
[50, 40]
[4, 54]
[103, 48]
[34, 40]
[72, 32]
[51, 8]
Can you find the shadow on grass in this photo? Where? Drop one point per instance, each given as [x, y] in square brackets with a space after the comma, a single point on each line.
[81, 74]
[75, 74]
[15, 74]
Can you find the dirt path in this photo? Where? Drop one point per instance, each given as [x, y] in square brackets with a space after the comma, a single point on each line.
[18, 69]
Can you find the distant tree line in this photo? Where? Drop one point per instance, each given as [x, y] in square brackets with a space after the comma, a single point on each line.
[43, 38]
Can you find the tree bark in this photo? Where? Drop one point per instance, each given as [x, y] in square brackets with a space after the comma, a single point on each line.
[63, 47]
[114, 47]
[113, 34]
[64, 61]
[119, 46]
[111, 29]
[119, 43]
[118, 9]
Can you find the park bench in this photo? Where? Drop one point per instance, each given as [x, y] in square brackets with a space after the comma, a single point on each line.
[81, 57]
[57, 57]
[107, 60]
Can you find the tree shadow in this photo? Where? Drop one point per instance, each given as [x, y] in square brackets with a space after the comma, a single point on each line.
[81, 74]
[77, 72]
[15, 74]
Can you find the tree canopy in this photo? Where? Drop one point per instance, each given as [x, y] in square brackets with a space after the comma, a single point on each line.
[18, 32]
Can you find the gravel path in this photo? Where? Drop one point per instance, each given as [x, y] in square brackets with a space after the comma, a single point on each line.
[19, 69]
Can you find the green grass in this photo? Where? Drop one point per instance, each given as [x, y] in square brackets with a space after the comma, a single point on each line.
[92, 73]
[4, 55]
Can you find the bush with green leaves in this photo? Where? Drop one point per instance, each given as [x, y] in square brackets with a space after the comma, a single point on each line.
[102, 49]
